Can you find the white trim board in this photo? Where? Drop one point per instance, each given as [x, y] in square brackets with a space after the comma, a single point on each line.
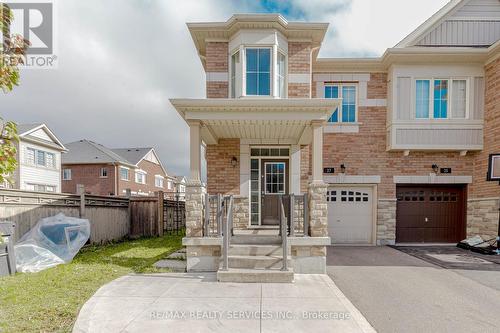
[354, 179]
[432, 179]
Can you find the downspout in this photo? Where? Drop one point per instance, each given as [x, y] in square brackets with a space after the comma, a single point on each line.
[116, 179]
[310, 69]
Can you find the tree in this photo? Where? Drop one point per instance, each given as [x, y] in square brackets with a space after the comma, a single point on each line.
[8, 150]
[12, 52]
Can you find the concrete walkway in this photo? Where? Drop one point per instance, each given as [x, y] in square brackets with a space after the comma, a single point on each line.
[397, 292]
[198, 303]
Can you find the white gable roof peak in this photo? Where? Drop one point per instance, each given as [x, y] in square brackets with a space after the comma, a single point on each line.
[429, 23]
[29, 131]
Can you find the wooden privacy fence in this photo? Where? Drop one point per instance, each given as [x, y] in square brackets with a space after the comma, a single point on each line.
[150, 216]
[111, 218]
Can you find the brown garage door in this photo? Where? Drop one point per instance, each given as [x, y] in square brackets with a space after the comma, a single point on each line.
[430, 214]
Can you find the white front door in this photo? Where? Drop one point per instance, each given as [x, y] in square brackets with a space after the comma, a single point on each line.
[350, 214]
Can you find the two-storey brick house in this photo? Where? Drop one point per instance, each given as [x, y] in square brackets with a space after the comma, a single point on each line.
[105, 171]
[391, 149]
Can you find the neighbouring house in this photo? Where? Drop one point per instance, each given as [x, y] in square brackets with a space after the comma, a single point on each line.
[39, 160]
[392, 149]
[105, 171]
[180, 187]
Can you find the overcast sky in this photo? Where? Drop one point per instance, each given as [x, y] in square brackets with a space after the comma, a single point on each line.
[121, 60]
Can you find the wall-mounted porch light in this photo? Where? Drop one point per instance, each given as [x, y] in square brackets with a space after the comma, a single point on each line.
[435, 168]
[234, 161]
[342, 168]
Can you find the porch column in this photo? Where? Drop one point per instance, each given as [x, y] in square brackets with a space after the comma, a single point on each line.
[194, 188]
[194, 150]
[317, 151]
[318, 209]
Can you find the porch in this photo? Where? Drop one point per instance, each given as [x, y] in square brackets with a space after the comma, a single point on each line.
[264, 156]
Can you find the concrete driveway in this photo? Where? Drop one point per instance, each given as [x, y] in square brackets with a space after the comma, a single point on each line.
[198, 303]
[397, 292]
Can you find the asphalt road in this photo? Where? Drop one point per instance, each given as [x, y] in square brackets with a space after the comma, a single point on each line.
[400, 293]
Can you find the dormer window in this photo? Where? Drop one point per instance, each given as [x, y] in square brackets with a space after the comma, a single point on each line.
[258, 71]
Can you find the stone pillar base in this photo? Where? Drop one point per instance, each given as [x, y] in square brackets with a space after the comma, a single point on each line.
[318, 209]
[386, 221]
[482, 217]
[203, 254]
[194, 208]
[309, 254]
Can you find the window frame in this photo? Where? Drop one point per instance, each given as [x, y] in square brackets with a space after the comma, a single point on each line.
[45, 154]
[278, 76]
[233, 71]
[101, 173]
[63, 174]
[271, 70]
[140, 172]
[128, 174]
[449, 110]
[340, 86]
[159, 177]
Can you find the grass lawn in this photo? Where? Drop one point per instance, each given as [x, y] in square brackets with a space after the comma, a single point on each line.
[49, 301]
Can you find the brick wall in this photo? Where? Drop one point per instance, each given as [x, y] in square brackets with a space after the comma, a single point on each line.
[88, 175]
[222, 177]
[305, 167]
[481, 187]
[377, 86]
[299, 62]
[217, 89]
[217, 61]
[152, 169]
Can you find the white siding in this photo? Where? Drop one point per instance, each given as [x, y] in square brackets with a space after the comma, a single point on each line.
[38, 175]
[480, 9]
[403, 103]
[151, 157]
[463, 33]
[477, 23]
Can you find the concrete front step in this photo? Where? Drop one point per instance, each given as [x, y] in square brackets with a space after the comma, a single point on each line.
[255, 275]
[256, 239]
[255, 250]
[257, 262]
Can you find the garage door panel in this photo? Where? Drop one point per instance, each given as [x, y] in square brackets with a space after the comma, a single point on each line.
[430, 214]
[350, 215]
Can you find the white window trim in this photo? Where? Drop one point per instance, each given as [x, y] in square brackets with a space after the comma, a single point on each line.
[128, 174]
[286, 74]
[449, 111]
[272, 70]
[284, 178]
[162, 178]
[100, 172]
[35, 159]
[70, 174]
[356, 91]
[140, 172]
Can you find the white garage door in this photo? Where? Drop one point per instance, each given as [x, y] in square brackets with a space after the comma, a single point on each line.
[350, 214]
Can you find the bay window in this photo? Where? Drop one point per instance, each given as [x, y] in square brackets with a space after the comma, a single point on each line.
[235, 60]
[347, 111]
[258, 71]
[281, 75]
[445, 102]
[422, 98]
